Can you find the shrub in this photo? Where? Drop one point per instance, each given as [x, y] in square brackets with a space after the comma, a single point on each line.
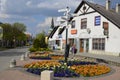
[32, 49]
[36, 43]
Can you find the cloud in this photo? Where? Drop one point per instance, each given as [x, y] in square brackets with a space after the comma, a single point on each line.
[45, 25]
[4, 16]
[36, 7]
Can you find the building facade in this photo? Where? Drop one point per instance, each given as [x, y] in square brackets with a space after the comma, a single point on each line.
[96, 29]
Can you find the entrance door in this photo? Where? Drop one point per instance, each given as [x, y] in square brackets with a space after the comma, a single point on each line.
[84, 45]
[81, 45]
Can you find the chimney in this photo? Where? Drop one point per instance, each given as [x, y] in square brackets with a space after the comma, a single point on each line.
[108, 3]
[117, 8]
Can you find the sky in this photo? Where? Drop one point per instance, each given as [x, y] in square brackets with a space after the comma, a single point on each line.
[37, 14]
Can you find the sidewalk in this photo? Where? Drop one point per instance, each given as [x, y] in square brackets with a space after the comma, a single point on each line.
[115, 60]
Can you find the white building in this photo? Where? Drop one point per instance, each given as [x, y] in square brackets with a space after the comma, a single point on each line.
[95, 30]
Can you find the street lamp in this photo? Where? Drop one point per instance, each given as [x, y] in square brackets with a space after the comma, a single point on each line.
[67, 17]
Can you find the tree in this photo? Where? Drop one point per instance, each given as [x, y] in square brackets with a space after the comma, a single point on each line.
[36, 43]
[52, 23]
[20, 26]
[41, 37]
[7, 31]
[19, 35]
[7, 34]
[13, 35]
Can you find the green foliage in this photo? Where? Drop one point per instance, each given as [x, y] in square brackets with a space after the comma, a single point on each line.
[36, 43]
[41, 42]
[32, 49]
[20, 26]
[13, 34]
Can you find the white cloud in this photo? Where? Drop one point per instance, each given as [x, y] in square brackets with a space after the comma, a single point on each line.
[2, 5]
[36, 7]
[28, 3]
[46, 23]
[44, 5]
[4, 16]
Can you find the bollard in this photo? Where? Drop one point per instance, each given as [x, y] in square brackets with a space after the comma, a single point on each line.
[22, 57]
[47, 75]
[12, 63]
[26, 54]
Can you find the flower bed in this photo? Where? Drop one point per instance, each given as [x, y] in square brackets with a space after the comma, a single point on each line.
[57, 57]
[78, 62]
[42, 64]
[62, 70]
[46, 55]
[90, 70]
[38, 55]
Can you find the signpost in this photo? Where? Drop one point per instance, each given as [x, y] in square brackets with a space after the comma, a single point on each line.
[67, 17]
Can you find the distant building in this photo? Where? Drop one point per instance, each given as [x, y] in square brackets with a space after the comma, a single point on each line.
[96, 29]
[29, 38]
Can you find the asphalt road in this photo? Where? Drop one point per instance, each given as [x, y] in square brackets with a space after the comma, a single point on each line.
[7, 55]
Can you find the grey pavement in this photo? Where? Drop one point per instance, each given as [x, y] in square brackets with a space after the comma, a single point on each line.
[7, 55]
[111, 59]
[100, 56]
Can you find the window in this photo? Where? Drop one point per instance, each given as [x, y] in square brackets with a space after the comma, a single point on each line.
[84, 23]
[73, 24]
[98, 44]
[58, 42]
[106, 29]
[97, 20]
[71, 41]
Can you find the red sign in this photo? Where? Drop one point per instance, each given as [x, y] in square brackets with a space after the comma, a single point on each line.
[74, 31]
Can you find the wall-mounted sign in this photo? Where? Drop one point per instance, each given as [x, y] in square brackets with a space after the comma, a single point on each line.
[97, 20]
[74, 31]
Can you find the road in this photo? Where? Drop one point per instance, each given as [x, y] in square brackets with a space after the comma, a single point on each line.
[7, 55]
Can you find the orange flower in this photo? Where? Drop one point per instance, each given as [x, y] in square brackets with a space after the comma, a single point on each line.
[90, 70]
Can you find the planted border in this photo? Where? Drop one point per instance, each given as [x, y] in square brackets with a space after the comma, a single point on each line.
[63, 70]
